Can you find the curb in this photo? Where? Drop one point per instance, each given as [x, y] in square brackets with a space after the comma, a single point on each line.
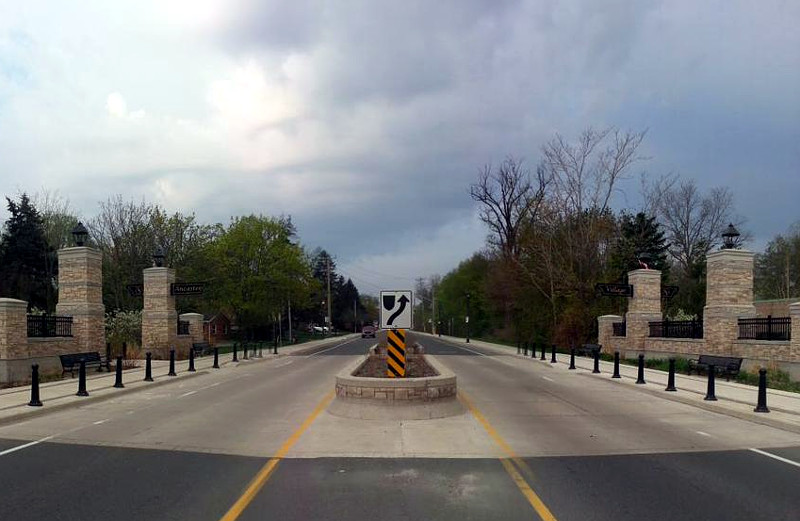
[43, 411]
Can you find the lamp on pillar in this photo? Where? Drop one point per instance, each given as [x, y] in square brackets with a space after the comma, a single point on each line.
[730, 237]
[158, 257]
[80, 234]
[644, 259]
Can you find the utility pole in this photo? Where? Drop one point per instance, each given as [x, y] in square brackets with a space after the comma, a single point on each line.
[291, 339]
[329, 318]
[467, 317]
[434, 326]
[354, 318]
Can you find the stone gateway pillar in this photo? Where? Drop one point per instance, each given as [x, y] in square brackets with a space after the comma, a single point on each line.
[159, 317]
[80, 295]
[729, 296]
[644, 307]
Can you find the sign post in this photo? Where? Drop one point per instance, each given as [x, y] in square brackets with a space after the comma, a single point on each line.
[396, 315]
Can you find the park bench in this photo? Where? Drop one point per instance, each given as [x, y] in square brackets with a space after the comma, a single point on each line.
[725, 365]
[71, 362]
[588, 349]
[202, 348]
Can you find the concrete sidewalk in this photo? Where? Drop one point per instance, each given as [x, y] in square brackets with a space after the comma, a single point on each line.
[61, 394]
[733, 399]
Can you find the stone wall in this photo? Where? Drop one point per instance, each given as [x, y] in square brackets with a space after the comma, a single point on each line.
[13, 328]
[396, 390]
[159, 318]
[80, 295]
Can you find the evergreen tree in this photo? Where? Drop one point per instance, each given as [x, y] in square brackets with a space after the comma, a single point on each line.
[640, 235]
[25, 255]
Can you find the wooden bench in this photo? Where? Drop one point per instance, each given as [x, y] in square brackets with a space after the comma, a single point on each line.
[725, 365]
[202, 348]
[71, 362]
[588, 349]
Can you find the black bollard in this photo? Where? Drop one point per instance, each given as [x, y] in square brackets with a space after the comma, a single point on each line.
[235, 354]
[35, 401]
[216, 358]
[572, 358]
[553, 355]
[616, 365]
[118, 380]
[710, 393]
[671, 377]
[543, 357]
[82, 380]
[148, 367]
[762, 391]
[191, 360]
[172, 363]
[596, 369]
[640, 378]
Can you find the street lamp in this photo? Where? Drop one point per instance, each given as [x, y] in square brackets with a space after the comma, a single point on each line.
[80, 233]
[467, 317]
[158, 257]
[730, 237]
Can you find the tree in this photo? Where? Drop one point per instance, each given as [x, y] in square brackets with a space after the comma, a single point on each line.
[508, 198]
[258, 266]
[777, 273]
[639, 235]
[25, 256]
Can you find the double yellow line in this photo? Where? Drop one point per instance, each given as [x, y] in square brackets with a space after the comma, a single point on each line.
[509, 462]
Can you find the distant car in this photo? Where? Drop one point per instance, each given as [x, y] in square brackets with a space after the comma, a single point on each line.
[368, 332]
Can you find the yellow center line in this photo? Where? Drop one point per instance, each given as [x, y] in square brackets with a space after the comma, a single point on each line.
[269, 467]
[532, 497]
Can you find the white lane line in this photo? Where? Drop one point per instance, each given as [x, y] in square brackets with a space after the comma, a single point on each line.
[214, 385]
[757, 451]
[701, 433]
[20, 447]
[548, 379]
[332, 348]
[470, 350]
[100, 422]
[187, 394]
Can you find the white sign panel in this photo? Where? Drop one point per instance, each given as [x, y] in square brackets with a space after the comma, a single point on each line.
[396, 309]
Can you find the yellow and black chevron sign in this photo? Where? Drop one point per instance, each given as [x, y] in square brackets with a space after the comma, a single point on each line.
[396, 350]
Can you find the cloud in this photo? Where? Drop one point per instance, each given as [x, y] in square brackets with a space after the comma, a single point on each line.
[371, 119]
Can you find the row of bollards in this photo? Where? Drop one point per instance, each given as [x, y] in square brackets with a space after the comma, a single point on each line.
[522, 348]
[36, 401]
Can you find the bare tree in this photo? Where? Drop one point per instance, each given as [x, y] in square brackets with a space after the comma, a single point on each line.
[508, 198]
[694, 221]
[585, 174]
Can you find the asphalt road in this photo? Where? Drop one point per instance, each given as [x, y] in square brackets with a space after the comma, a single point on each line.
[584, 447]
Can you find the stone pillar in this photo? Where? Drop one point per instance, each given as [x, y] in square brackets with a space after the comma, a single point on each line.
[794, 350]
[159, 318]
[644, 307]
[605, 334]
[80, 295]
[195, 321]
[13, 329]
[729, 295]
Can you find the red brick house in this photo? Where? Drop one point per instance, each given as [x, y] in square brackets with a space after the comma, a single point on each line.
[216, 328]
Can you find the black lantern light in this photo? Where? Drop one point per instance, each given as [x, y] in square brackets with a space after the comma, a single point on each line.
[80, 234]
[645, 259]
[730, 237]
[158, 257]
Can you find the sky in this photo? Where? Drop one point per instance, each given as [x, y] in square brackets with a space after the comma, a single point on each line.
[366, 121]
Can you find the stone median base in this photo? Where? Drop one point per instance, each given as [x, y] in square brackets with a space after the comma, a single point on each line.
[396, 398]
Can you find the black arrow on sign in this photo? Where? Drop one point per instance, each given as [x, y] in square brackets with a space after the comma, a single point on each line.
[403, 301]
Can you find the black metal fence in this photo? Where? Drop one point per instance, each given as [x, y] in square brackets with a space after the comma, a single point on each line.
[49, 326]
[765, 328]
[677, 329]
[183, 327]
[619, 329]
